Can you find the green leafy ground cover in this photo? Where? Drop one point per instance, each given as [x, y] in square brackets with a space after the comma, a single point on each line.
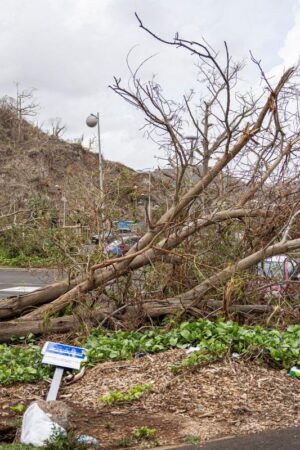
[280, 349]
[23, 260]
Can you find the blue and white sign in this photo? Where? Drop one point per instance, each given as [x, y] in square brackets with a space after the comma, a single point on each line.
[62, 355]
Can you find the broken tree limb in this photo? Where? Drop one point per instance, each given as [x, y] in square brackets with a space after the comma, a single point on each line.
[195, 296]
[17, 305]
[158, 308]
[23, 328]
[259, 309]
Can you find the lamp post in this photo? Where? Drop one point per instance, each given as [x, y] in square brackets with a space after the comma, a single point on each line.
[92, 121]
[149, 208]
[64, 200]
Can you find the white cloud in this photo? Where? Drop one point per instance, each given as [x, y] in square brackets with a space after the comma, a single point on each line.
[70, 49]
[291, 48]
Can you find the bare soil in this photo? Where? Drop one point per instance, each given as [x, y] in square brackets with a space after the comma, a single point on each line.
[224, 399]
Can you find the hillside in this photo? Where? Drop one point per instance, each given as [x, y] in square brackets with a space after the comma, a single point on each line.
[41, 172]
[37, 168]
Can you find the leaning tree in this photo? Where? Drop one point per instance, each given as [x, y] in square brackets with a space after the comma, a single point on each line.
[240, 167]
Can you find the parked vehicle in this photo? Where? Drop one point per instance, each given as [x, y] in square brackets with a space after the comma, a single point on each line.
[123, 231]
[95, 239]
[108, 239]
[120, 247]
[282, 272]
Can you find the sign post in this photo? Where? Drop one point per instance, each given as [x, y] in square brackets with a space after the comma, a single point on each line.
[55, 384]
[63, 357]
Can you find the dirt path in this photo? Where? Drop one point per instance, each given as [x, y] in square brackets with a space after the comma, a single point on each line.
[224, 399]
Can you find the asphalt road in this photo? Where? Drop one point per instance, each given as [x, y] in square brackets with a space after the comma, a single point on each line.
[288, 439]
[18, 281]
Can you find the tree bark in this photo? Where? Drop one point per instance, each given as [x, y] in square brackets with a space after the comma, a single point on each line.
[23, 328]
[17, 305]
[256, 309]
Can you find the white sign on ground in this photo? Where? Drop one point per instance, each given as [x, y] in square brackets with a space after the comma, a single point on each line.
[61, 355]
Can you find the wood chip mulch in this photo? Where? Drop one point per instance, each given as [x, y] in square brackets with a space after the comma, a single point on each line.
[222, 399]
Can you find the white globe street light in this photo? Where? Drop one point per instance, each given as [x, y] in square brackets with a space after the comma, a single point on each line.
[91, 121]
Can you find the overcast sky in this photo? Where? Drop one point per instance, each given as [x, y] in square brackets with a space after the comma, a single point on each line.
[69, 50]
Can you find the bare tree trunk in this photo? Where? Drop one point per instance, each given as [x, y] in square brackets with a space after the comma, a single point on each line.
[15, 306]
[23, 328]
[158, 308]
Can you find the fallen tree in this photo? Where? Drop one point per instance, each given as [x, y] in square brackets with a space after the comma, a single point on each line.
[24, 328]
[155, 307]
[18, 305]
[66, 290]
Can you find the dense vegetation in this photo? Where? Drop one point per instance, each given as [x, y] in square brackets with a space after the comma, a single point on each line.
[280, 349]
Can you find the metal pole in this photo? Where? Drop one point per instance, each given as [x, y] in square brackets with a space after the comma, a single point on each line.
[100, 180]
[149, 199]
[64, 211]
[100, 162]
[15, 216]
[52, 394]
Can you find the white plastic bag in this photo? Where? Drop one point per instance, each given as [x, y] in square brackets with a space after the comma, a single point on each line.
[37, 427]
[191, 350]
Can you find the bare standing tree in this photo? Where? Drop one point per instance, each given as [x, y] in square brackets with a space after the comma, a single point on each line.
[25, 106]
[58, 128]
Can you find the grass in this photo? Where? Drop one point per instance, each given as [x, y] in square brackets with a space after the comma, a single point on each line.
[24, 261]
[143, 437]
[191, 439]
[17, 447]
[130, 395]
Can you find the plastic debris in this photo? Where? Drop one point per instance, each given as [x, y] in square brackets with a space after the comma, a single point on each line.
[85, 439]
[37, 427]
[191, 350]
[295, 372]
[235, 356]
[140, 355]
